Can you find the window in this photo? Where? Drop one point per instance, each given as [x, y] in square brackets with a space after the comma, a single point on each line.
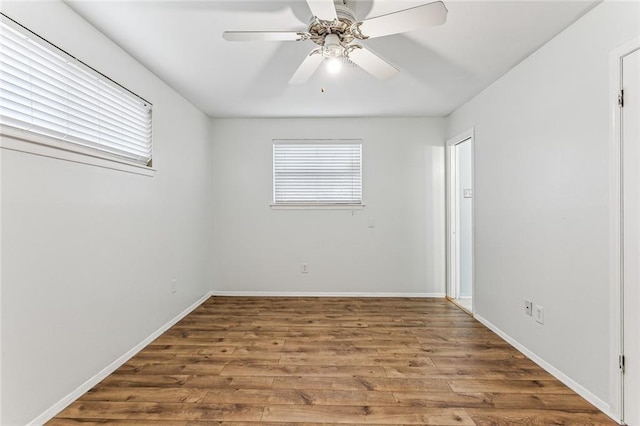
[317, 172]
[48, 95]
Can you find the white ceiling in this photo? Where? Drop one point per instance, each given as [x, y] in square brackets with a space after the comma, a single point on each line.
[440, 67]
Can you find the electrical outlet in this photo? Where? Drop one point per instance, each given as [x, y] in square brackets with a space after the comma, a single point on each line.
[528, 307]
[304, 268]
[539, 314]
[173, 285]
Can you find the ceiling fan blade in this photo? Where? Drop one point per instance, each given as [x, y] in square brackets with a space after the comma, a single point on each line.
[323, 9]
[262, 35]
[428, 15]
[372, 63]
[307, 68]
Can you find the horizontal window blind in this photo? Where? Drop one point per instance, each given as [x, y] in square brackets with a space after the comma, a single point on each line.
[317, 173]
[46, 92]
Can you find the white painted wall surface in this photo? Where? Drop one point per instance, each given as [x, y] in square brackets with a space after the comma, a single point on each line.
[1, 298]
[258, 249]
[88, 254]
[541, 195]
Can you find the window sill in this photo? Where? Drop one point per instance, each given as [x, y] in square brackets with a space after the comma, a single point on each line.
[317, 206]
[22, 141]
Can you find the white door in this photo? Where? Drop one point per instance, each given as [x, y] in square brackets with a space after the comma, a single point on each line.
[630, 133]
[460, 253]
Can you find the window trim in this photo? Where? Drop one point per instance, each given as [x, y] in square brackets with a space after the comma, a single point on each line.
[317, 205]
[22, 140]
[44, 146]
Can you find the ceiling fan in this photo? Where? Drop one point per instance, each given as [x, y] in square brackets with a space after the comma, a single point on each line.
[335, 29]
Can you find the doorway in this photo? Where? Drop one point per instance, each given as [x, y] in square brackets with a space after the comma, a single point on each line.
[629, 137]
[460, 194]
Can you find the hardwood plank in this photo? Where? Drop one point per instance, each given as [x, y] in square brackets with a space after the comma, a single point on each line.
[360, 383]
[537, 417]
[217, 382]
[403, 360]
[322, 397]
[134, 380]
[466, 372]
[76, 421]
[145, 394]
[565, 402]
[218, 341]
[509, 386]
[192, 333]
[366, 414]
[238, 396]
[515, 363]
[206, 354]
[492, 353]
[300, 397]
[157, 358]
[310, 349]
[209, 423]
[162, 412]
[185, 350]
[301, 371]
[171, 368]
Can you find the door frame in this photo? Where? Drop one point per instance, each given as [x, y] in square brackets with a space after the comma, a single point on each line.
[452, 242]
[616, 407]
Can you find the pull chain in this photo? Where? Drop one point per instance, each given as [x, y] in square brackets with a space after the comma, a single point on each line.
[322, 77]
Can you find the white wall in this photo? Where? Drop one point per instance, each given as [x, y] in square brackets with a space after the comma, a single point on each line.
[258, 249]
[88, 253]
[542, 194]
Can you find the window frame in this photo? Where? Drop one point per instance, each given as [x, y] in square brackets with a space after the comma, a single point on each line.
[317, 205]
[26, 141]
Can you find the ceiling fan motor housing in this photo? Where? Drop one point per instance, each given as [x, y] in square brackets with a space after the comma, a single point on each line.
[319, 29]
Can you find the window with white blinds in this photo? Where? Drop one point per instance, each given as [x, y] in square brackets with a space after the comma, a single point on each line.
[317, 172]
[48, 93]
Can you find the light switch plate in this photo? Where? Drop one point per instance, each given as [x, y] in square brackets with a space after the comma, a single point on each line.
[538, 313]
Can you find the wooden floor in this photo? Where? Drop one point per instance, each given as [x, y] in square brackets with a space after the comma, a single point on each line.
[330, 360]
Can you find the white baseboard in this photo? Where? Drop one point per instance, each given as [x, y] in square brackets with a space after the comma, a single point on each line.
[573, 385]
[320, 294]
[83, 388]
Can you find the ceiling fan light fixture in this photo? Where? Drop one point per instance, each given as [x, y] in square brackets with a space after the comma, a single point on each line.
[333, 65]
[332, 47]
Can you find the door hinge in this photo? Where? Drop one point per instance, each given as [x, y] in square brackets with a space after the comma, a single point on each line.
[621, 99]
[621, 362]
